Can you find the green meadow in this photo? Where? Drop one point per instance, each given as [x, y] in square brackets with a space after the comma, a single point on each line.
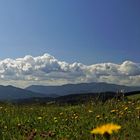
[69, 122]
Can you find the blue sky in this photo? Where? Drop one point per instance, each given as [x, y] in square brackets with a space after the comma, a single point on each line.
[92, 32]
[86, 31]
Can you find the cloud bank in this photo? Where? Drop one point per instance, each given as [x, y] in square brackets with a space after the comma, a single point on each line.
[47, 70]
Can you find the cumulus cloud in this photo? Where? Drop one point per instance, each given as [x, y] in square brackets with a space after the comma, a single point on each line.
[47, 70]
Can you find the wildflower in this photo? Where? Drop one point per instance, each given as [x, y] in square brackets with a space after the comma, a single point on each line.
[74, 114]
[129, 102]
[133, 103]
[129, 112]
[55, 118]
[114, 117]
[76, 117]
[39, 118]
[138, 108]
[5, 127]
[90, 111]
[98, 116]
[61, 113]
[18, 124]
[55, 121]
[121, 113]
[126, 108]
[106, 129]
[113, 111]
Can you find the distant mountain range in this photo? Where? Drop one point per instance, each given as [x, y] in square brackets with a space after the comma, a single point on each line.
[13, 93]
[54, 91]
[49, 92]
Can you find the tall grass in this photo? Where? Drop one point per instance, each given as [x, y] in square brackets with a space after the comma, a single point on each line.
[52, 122]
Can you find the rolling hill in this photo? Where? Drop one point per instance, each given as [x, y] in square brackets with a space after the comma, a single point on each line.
[54, 91]
[12, 93]
[68, 93]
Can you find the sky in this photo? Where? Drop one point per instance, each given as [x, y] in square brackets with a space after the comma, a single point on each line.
[86, 32]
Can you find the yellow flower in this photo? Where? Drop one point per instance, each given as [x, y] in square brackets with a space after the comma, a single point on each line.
[90, 111]
[55, 118]
[76, 117]
[107, 128]
[39, 118]
[98, 116]
[121, 113]
[126, 108]
[112, 111]
[129, 112]
[18, 124]
[138, 108]
[5, 127]
[61, 113]
[55, 121]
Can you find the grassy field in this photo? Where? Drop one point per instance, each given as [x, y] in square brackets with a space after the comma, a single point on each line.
[134, 97]
[52, 122]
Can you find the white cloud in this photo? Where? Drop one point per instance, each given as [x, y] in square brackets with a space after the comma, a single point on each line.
[47, 69]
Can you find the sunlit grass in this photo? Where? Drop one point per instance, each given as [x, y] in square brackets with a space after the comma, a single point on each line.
[67, 122]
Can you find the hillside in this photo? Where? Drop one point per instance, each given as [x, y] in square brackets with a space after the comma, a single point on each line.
[54, 91]
[74, 99]
[12, 93]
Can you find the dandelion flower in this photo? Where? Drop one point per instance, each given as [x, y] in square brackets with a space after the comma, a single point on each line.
[61, 113]
[5, 127]
[90, 111]
[138, 108]
[113, 111]
[107, 128]
[126, 108]
[55, 118]
[39, 118]
[98, 116]
[76, 117]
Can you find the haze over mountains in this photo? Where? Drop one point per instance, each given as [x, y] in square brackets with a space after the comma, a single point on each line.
[38, 91]
[80, 88]
[14, 93]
